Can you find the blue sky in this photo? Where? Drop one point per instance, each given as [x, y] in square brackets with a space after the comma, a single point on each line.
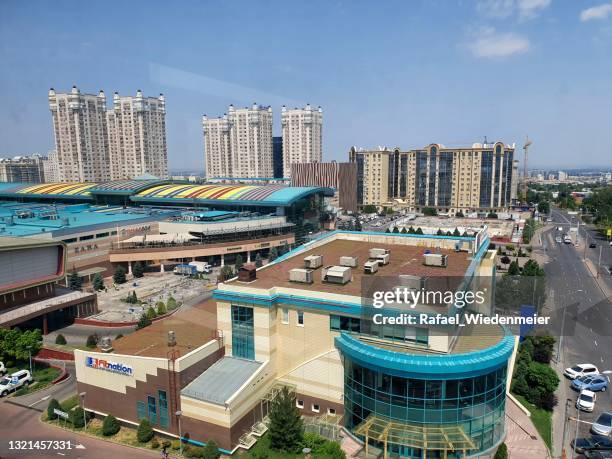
[394, 73]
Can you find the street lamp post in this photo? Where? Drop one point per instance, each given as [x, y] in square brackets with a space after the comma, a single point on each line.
[82, 396]
[576, 435]
[565, 418]
[30, 355]
[178, 414]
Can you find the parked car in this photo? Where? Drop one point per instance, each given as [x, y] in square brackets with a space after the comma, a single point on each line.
[15, 381]
[595, 383]
[2, 368]
[592, 245]
[586, 401]
[581, 369]
[603, 425]
[596, 442]
[558, 240]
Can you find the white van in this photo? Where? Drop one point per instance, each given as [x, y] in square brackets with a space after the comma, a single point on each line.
[15, 381]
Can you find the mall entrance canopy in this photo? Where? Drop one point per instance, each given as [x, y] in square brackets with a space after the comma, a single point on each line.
[441, 439]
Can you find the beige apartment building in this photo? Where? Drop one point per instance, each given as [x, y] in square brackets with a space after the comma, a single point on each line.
[239, 144]
[28, 169]
[81, 138]
[137, 136]
[302, 136]
[476, 178]
[51, 167]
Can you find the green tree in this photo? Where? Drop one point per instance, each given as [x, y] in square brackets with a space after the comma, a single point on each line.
[543, 377]
[369, 209]
[119, 276]
[77, 417]
[144, 321]
[459, 214]
[145, 431]
[404, 230]
[456, 232]
[239, 262]
[151, 314]
[513, 269]
[273, 255]
[92, 341]
[430, 212]
[411, 230]
[138, 270]
[502, 452]
[286, 429]
[60, 339]
[543, 347]
[74, 280]
[98, 282]
[110, 426]
[491, 215]
[505, 260]
[161, 308]
[387, 230]
[14, 344]
[418, 231]
[226, 273]
[544, 207]
[395, 229]
[258, 260]
[53, 405]
[532, 268]
[211, 451]
[171, 303]
[439, 232]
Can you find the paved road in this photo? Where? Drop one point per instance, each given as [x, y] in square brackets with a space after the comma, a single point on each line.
[20, 423]
[588, 333]
[39, 400]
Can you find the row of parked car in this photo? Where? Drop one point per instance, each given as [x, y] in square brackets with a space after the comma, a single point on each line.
[587, 380]
[14, 381]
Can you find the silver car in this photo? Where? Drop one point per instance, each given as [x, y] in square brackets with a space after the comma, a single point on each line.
[603, 424]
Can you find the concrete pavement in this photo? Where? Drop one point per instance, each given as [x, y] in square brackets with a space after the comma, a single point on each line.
[522, 438]
[40, 399]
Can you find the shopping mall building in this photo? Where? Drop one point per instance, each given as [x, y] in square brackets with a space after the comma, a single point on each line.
[413, 391]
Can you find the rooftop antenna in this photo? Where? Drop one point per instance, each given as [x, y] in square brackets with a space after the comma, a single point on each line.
[485, 140]
[525, 147]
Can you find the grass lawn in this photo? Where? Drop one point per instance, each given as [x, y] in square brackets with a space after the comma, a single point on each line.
[262, 449]
[542, 420]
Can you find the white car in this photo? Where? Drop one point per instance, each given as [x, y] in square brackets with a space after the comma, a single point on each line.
[581, 369]
[15, 381]
[586, 401]
[2, 368]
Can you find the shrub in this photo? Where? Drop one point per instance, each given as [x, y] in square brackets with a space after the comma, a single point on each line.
[138, 270]
[119, 336]
[430, 212]
[145, 431]
[273, 254]
[74, 281]
[77, 417]
[331, 450]
[92, 341]
[53, 404]
[110, 426]
[161, 308]
[258, 261]
[151, 314]
[176, 445]
[119, 275]
[239, 262]
[166, 444]
[143, 322]
[548, 401]
[171, 303]
[59, 339]
[502, 452]
[98, 282]
[211, 451]
[155, 443]
[194, 451]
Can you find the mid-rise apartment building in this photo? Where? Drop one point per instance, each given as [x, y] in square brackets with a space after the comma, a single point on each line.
[302, 136]
[475, 178]
[137, 136]
[28, 169]
[81, 137]
[239, 144]
[51, 167]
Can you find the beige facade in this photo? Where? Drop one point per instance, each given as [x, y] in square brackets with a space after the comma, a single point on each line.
[137, 136]
[51, 167]
[302, 130]
[81, 138]
[478, 178]
[27, 169]
[239, 144]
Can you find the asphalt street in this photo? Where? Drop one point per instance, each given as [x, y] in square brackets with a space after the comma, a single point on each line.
[588, 330]
[40, 399]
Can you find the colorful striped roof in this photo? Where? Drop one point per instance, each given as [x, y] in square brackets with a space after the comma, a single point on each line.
[239, 194]
[126, 187]
[51, 190]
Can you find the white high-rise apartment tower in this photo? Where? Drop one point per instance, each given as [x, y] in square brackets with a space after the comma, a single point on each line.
[239, 144]
[81, 141]
[302, 136]
[137, 136]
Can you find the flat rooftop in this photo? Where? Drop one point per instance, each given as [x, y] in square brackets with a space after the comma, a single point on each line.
[193, 327]
[219, 382]
[404, 259]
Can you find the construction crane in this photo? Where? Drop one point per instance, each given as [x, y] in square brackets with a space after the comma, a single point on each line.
[525, 147]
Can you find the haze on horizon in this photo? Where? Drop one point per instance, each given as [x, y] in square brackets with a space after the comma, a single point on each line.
[395, 73]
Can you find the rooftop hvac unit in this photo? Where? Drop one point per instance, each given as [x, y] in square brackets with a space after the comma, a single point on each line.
[105, 344]
[248, 273]
[374, 253]
[351, 262]
[313, 261]
[436, 259]
[382, 259]
[171, 339]
[370, 267]
[303, 276]
[412, 282]
[336, 274]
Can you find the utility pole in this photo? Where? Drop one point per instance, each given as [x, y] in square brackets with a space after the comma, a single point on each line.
[525, 148]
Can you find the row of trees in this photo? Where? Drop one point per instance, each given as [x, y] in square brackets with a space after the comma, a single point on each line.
[418, 230]
[16, 345]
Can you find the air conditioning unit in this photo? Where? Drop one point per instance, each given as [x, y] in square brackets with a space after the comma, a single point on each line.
[303, 276]
[351, 262]
[313, 261]
[412, 282]
[436, 259]
[374, 253]
[383, 259]
[336, 274]
[370, 267]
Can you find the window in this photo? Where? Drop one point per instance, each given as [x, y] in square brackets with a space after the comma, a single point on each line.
[300, 318]
[300, 404]
[86, 238]
[141, 410]
[163, 408]
[152, 409]
[315, 408]
[285, 318]
[243, 340]
[331, 410]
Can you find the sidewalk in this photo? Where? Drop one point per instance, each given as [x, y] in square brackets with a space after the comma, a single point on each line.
[522, 438]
